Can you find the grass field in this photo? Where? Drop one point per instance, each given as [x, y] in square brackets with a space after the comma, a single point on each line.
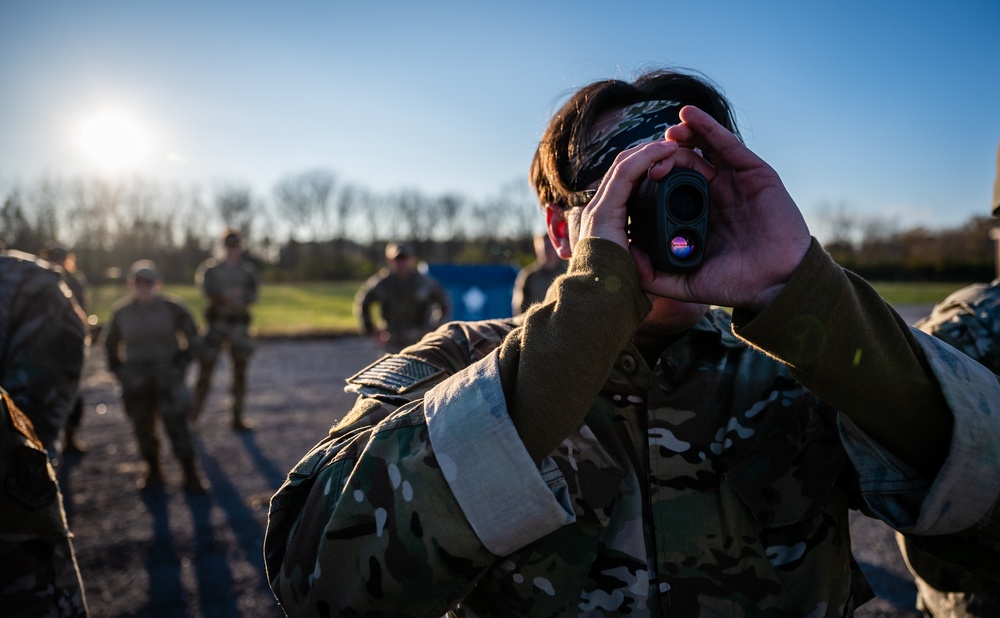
[325, 308]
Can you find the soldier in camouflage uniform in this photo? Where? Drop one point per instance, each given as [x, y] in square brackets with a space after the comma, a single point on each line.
[41, 357]
[151, 341]
[230, 287]
[969, 320]
[411, 303]
[533, 280]
[623, 449]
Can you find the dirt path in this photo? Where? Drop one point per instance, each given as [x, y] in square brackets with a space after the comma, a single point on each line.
[180, 556]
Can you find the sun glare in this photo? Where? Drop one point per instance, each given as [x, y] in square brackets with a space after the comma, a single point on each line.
[114, 141]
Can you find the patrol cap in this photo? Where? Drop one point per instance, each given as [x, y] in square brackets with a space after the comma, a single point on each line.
[231, 238]
[143, 270]
[397, 250]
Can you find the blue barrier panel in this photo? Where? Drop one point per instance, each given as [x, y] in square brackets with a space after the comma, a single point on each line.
[478, 291]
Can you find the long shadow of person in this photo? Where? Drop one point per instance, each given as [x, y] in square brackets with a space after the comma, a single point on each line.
[248, 531]
[215, 578]
[163, 565]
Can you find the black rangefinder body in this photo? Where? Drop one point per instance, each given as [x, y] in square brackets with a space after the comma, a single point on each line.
[668, 219]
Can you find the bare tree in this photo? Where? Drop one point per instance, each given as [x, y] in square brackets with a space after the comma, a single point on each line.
[305, 199]
[236, 208]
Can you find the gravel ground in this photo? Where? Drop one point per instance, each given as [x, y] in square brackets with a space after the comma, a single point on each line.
[175, 555]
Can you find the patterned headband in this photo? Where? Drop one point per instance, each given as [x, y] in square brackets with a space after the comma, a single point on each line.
[629, 126]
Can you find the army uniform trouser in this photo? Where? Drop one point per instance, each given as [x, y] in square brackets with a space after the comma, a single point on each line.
[153, 391]
[236, 336]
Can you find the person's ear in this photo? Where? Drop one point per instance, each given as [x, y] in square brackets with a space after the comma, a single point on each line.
[558, 227]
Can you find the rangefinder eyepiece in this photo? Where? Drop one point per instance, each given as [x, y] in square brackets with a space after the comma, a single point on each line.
[668, 219]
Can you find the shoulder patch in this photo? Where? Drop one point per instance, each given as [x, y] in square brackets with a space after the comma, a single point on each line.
[396, 373]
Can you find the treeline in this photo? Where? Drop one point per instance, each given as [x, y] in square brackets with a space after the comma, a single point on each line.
[313, 227]
[310, 227]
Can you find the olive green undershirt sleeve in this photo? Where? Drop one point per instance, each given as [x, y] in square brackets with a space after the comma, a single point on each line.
[845, 344]
[553, 366]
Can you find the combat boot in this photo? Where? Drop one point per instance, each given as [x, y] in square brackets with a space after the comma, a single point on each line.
[193, 484]
[152, 480]
[240, 423]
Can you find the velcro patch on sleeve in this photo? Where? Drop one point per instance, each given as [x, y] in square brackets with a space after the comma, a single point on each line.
[396, 373]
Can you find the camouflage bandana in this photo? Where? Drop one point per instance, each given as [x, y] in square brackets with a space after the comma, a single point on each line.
[635, 124]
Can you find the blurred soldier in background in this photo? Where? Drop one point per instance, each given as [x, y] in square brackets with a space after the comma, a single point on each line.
[41, 343]
[65, 263]
[150, 342]
[533, 280]
[411, 303]
[230, 287]
[969, 320]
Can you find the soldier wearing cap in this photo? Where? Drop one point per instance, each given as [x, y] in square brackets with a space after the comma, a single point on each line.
[411, 302]
[230, 287]
[150, 342]
[42, 339]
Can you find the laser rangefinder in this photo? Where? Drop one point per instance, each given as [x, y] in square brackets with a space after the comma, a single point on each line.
[668, 219]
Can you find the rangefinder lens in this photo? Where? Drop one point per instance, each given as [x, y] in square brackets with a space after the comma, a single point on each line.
[682, 245]
[685, 203]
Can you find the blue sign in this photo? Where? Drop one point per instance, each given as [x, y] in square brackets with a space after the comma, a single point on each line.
[478, 291]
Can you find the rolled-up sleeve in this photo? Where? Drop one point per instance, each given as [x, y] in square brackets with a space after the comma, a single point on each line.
[968, 484]
[508, 500]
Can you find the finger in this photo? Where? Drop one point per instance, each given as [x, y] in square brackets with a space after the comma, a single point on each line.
[629, 168]
[698, 129]
[687, 158]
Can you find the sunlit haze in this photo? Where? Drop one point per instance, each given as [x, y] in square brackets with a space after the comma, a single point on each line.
[114, 141]
[881, 109]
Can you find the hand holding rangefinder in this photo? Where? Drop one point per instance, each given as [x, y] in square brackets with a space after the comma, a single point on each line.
[668, 219]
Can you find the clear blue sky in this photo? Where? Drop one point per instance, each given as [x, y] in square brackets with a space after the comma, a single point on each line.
[891, 111]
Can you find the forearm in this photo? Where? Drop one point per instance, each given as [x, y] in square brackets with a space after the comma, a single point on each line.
[553, 367]
[848, 347]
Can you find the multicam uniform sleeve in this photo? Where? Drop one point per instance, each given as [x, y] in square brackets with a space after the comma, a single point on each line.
[919, 419]
[427, 483]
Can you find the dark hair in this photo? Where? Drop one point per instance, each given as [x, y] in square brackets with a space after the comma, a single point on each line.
[569, 129]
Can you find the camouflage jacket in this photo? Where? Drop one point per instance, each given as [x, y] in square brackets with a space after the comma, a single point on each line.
[43, 336]
[410, 306]
[969, 320]
[230, 290]
[712, 483]
[157, 335]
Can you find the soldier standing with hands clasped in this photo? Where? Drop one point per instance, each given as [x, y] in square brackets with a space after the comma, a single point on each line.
[230, 288]
[411, 303]
[151, 341]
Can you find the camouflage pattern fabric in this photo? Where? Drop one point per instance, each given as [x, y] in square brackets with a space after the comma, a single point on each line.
[969, 320]
[712, 483]
[39, 576]
[743, 527]
[42, 342]
[149, 347]
[411, 306]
